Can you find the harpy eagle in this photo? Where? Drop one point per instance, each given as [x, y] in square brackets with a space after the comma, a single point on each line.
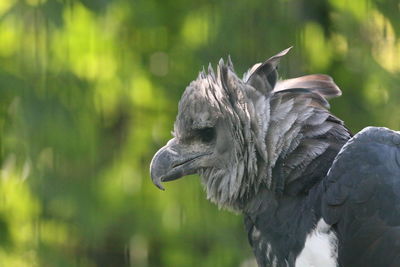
[311, 194]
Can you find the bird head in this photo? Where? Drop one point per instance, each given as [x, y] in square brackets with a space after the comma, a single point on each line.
[221, 129]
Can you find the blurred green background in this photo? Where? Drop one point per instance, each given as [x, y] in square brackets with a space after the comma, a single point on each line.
[89, 92]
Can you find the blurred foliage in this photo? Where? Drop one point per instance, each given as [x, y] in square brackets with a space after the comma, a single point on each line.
[89, 91]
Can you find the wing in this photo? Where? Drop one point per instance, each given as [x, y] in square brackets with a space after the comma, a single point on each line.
[361, 199]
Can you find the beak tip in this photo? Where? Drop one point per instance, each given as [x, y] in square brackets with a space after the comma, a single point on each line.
[157, 182]
[159, 186]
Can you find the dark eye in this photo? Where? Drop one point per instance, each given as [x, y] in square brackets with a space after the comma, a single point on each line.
[206, 134]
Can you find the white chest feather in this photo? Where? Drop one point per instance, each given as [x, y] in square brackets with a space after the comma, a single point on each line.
[320, 248]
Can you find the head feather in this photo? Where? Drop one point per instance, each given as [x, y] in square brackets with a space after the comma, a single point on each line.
[269, 121]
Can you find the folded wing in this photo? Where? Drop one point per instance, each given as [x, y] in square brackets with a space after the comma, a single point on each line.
[361, 199]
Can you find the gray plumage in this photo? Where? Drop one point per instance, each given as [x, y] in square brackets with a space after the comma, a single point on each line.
[261, 146]
[260, 125]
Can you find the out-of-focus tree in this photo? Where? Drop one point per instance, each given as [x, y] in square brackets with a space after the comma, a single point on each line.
[89, 91]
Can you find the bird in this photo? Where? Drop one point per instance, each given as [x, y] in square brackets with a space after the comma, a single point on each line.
[311, 193]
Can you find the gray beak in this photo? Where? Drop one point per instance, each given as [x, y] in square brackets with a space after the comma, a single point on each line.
[171, 162]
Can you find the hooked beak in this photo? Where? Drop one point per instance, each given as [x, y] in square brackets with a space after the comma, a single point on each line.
[171, 163]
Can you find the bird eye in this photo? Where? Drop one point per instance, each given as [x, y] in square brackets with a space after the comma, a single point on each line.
[206, 134]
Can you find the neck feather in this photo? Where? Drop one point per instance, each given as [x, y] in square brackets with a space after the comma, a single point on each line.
[300, 142]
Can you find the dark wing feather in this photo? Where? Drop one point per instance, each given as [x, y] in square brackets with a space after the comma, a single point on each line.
[317, 99]
[263, 76]
[316, 83]
[362, 199]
